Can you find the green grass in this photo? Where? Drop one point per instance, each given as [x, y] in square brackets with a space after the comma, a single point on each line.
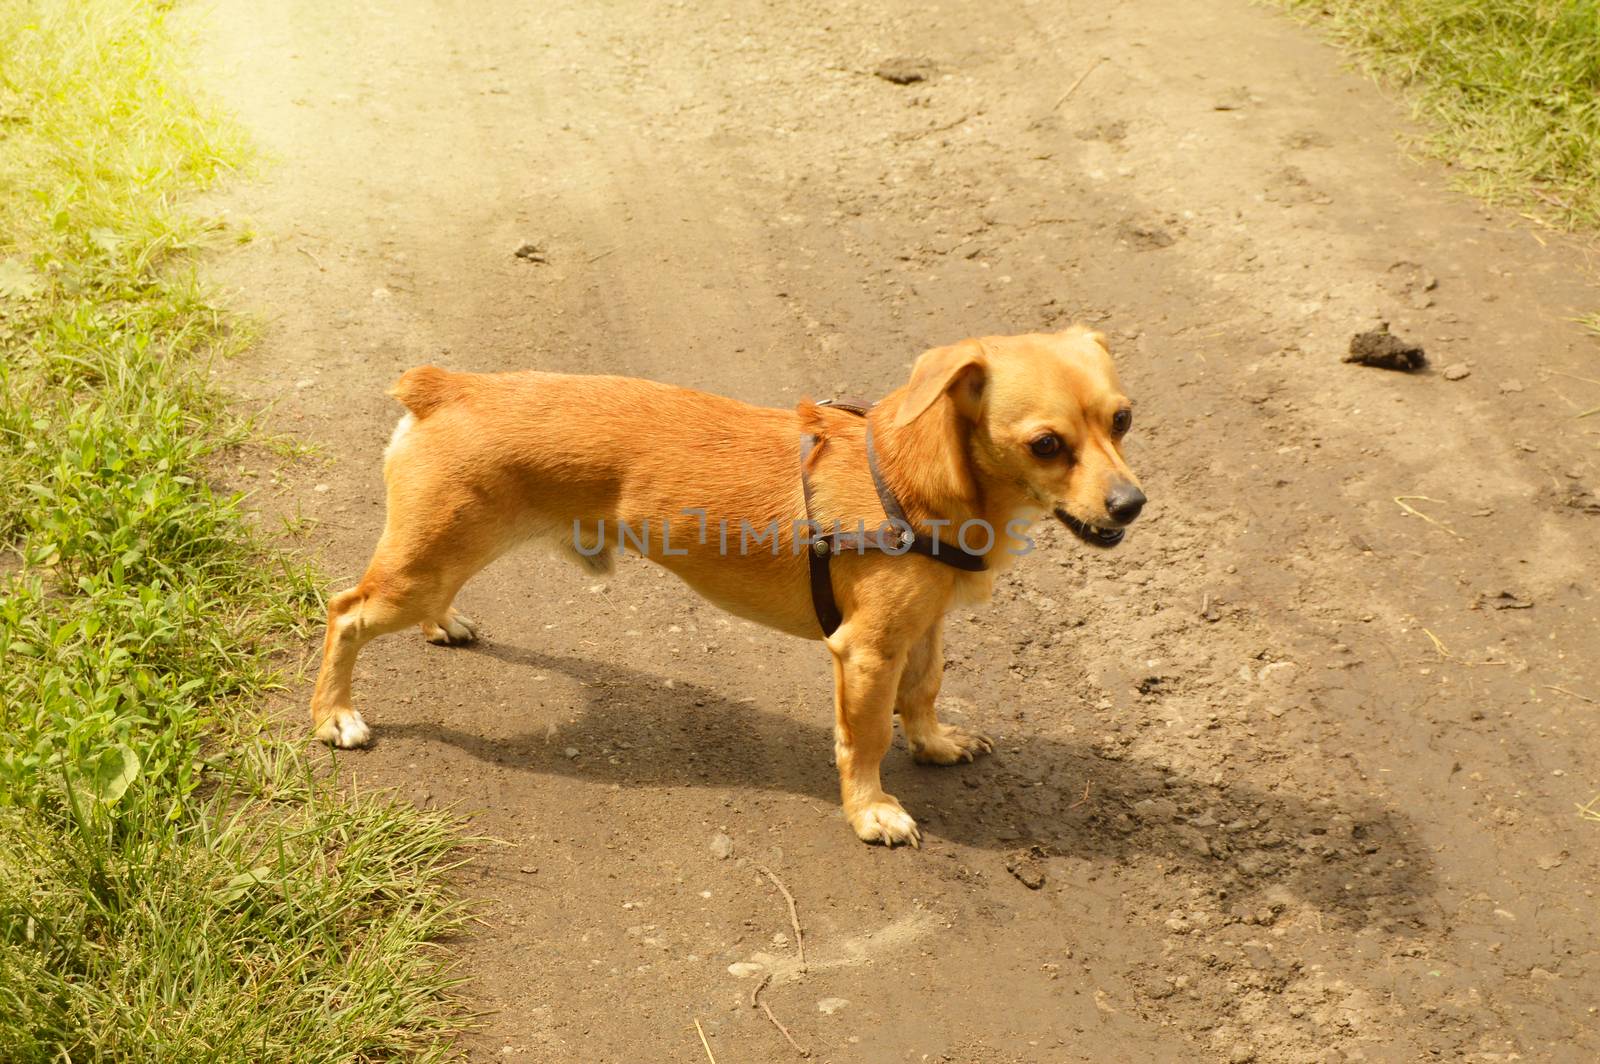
[175, 882]
[1510, 89]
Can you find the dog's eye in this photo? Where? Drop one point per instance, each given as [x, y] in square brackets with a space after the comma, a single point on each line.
[1046, 446]
[1122, 421]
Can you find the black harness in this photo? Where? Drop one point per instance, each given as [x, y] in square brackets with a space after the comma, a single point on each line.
[901, 538]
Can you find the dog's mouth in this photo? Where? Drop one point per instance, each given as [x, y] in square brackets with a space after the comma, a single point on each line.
[1094, 535]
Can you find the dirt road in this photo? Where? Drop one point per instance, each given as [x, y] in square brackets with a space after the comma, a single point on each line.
[1290, 776]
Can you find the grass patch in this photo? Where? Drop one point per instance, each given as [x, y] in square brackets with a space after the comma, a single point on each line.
[1509, 88]
[175, 883]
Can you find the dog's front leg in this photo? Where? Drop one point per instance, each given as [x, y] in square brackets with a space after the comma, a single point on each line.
[932, 742]
[866, 677]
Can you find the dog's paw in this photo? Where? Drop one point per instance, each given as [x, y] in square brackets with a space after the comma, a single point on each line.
[950, 745]
[456, 630]
[886, 822]
[344, 729]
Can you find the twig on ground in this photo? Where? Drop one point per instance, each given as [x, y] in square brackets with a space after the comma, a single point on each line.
[1590, 810]
[794, 915]
[1574, 694]
[314, 260]
[1074, 86]
[596, 258]
[709, 1055]
[1445, 654]
[1400, 500]
[918, 134]
[1084, 797]
[755, 999]
[1554, 201]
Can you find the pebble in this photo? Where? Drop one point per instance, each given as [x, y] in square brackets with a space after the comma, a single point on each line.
[572, 751]
[721, 846]
[1279, 672]
[743, 969]
[829, 1006]
[1457, 371]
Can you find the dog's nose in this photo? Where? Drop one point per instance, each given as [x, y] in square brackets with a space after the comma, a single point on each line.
[1124, 502]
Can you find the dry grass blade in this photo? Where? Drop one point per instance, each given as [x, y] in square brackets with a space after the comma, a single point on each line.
[1400, 500]
[1074, 86]
[701, 1032]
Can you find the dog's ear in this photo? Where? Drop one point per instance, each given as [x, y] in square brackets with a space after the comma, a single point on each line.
[960, 371]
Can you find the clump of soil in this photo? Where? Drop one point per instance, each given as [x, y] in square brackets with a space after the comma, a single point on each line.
[903, 70]
[1145, 237]
[1381, 348]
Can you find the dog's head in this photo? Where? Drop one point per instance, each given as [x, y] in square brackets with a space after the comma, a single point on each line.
[1042, 419]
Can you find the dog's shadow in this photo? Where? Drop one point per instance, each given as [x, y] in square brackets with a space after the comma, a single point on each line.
[1357, 861]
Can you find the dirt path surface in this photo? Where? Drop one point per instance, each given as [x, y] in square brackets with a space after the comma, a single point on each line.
[1290, 776]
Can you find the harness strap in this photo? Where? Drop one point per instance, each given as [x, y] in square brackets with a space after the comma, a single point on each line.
[825, 546]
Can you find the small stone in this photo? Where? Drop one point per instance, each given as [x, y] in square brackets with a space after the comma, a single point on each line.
[721, 846]
[829, 1006]
[1155, 809]
[527, 870]
[1552, 860]
[571, 752]
[1192, 839]
[1457, 371]
[1279, 672]
[528, 251]
[743, 969]
[1511, 384]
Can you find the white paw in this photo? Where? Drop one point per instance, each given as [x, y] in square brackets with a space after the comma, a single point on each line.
[344, 729]
[886, 822]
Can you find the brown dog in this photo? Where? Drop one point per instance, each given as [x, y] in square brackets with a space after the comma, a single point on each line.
[987, 436]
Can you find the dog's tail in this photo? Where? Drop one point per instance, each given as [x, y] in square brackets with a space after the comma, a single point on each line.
[426, 388]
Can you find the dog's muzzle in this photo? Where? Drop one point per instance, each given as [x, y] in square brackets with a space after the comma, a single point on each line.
[1094, 535]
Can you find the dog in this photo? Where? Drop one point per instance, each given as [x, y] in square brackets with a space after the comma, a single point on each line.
[987, 436]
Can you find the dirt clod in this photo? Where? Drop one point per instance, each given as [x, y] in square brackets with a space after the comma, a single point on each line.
[528, 251]
[903, 70]
[1457, 371]
[1146, 237]
[1384, 350]
[1026, 866]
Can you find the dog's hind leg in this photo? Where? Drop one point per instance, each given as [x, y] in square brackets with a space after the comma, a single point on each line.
[932, 742]
[380, 604]
[418, 567]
